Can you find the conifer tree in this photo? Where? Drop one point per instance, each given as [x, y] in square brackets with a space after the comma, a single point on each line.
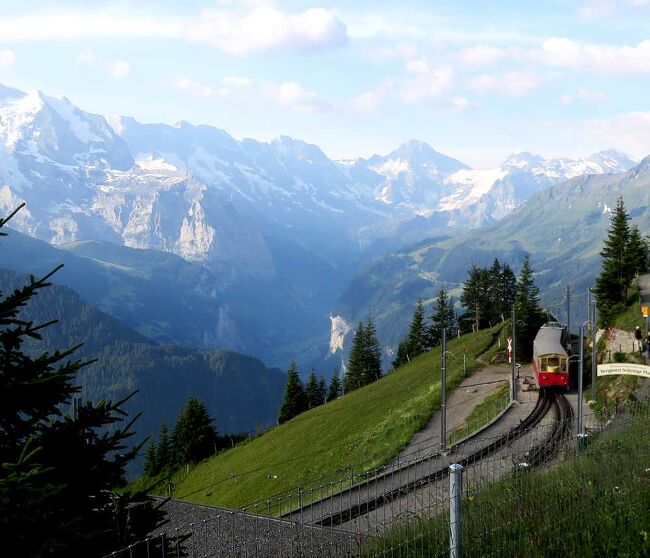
[529, 314]
[372, 353]
[195, 436]
[312, 391]
[355, 370]
[58, 472]
[416, 340]
[164, 450]
[443, 317]
[151, 468]
[612, 283]
[505, 293]
[322, 390]
[295, 399]
[475, 296]
[636, 254]
[334, 391]
[402, 356]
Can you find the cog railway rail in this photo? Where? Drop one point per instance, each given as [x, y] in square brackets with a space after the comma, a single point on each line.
[394, 483]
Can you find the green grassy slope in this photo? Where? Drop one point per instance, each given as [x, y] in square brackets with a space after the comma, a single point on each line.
[366, 428]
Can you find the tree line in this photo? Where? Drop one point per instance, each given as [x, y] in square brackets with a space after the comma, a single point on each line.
[193, 438]
[624, 256]
[299, 397]
[363, 368]
[424, 334]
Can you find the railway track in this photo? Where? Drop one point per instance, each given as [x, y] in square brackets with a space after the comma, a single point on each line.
[542, 453]
[382, 489]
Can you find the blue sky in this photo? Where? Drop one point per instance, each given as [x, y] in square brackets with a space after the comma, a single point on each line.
[475, 79]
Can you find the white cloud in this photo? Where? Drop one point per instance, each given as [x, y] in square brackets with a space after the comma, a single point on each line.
[239, 82]
[627, 131]
[589, 95]
[267, 28]
[191, 87]
[294, 96]
[511, 84]
[114, 69]
[427, 83]
[369, 101]
[118, 69]
[7, 58]
[480, 55]
[231, 29]
[458, 103]
[607, 59]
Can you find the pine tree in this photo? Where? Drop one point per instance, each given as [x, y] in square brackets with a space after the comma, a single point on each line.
[334, 391]
[355, 370]
[164, 450]
[312, 391]
[195, 436]
[322, 390]
[636, 254]
[295, 399]
[442, 318]
[58, 472]
[529, 314]
[151, 468]
[612, 283]
[506, 292]
[416, 340]
[475, 296]
[372, 353]
[402, 356]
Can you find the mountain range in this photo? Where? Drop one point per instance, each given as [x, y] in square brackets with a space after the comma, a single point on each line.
[562, 227]
[241, 394]
[264, 238]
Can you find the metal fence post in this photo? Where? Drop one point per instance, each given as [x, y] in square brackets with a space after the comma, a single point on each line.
[455, 511]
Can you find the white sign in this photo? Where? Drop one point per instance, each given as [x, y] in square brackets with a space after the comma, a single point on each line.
[509, 350]
[625, 369]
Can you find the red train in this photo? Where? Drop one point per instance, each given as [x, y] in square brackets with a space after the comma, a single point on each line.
[551, 356]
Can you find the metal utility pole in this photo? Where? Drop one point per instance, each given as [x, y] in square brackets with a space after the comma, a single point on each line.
[443, 404]
[581, 418]
[455, 511]
[593, 352]
[568, 313]
[588, 309]
[514, 357]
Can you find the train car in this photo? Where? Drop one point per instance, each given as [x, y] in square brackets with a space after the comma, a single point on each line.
[551, 356]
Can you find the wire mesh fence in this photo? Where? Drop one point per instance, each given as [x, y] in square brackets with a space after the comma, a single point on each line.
[402, 508]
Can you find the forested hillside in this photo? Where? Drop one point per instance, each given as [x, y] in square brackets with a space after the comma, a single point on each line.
[239, 391]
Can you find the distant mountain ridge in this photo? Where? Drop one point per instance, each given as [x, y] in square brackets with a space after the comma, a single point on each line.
[240, 392]
[275, 224]
[562, 227]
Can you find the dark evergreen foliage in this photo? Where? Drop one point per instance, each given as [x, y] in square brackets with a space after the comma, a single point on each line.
[295, 399]
[335, 389]
[364, 362]
[355, 369]
[488, 296]
[416, 340]
[322, 390]
[528, 312]
[58, 471]
[442, 318]
[625, 255]
[312, 391]
[372, 353]
[195, 436]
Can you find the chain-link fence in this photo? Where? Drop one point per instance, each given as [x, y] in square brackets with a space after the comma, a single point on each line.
[509, 501]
